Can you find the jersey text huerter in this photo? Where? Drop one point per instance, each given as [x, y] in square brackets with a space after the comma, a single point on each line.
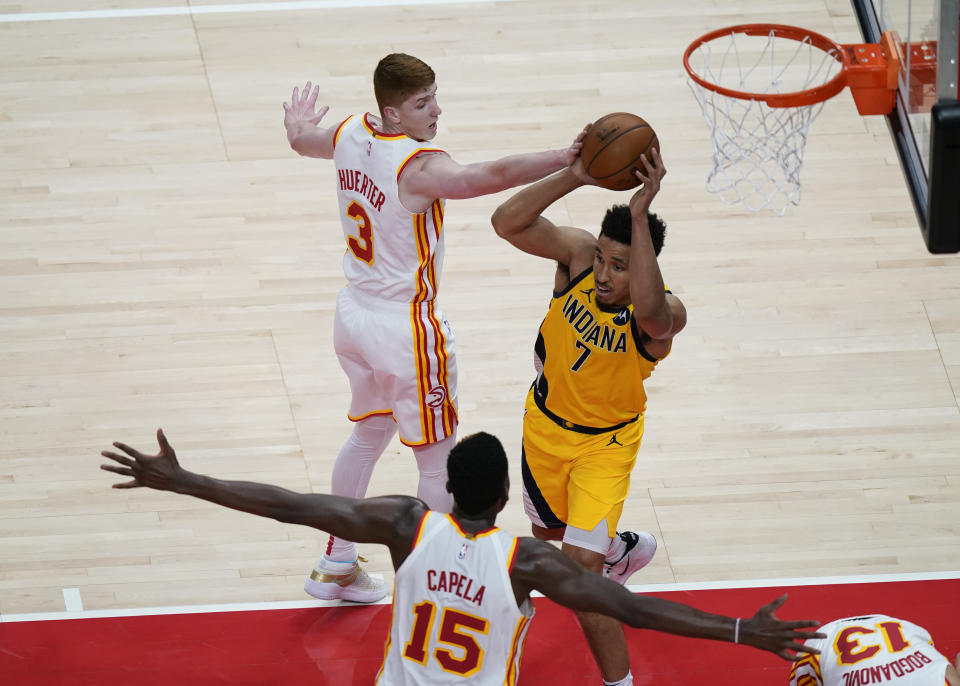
[356, 180]
[392, 253]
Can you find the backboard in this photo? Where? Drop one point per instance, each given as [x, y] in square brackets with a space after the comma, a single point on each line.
[925, 124]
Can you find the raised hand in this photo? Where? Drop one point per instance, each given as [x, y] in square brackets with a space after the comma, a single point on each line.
[766, 632]
[572, 153]
[655, 171]
[158, 471]
[302, 107]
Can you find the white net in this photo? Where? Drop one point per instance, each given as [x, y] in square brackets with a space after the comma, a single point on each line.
[758, 149]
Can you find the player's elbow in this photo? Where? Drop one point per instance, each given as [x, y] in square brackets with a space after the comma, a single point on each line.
[502, 224]
[659, 326]
[660, 316]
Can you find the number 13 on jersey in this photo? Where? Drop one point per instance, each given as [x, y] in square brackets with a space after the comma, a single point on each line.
[857, 643]
[361, 245]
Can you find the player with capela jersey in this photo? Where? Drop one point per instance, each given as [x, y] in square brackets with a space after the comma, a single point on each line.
[462, 595]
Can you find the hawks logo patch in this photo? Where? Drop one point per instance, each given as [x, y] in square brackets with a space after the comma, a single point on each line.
[436, 396]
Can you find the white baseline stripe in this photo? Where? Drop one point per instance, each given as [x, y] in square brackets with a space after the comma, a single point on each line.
[648, 588]
[236, 8]
[799, 581]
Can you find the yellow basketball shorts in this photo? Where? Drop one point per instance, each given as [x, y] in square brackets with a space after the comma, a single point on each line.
[576, 478]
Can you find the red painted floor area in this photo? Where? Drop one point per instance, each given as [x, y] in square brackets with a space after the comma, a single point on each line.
[343, 645]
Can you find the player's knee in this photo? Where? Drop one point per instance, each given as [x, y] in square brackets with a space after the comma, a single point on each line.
[373, 433]
[432, 458]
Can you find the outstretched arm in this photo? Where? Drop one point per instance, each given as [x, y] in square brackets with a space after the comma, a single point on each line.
[301, 121]
[519, 220]
[542, 567]
[390, 520]
[438, 176]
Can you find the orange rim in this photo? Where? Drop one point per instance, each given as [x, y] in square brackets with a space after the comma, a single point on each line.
[802, 98]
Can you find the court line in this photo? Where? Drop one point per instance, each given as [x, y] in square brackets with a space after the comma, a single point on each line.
[645, 588]
[72, 600]
[233, 8]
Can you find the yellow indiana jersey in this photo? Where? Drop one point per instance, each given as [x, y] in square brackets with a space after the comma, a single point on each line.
[590, 360]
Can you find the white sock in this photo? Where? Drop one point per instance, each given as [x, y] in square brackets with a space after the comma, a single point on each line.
[432, 464]
[352, 472]
[625, 681]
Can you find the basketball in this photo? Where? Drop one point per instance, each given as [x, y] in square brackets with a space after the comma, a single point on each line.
[612, 148]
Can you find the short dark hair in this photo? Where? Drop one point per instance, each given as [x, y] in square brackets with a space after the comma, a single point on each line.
[477, 472]
[617, 225]
[398, 76]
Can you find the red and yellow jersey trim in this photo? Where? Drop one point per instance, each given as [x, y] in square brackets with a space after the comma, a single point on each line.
[420, 527]
[375, 413]
[512, 555]
[411, 157]
[516, 651]
[336, 134]
[437, 210]
[386, 646]
[422, 315]
[380, 135]
[812, 662]
[465, 534]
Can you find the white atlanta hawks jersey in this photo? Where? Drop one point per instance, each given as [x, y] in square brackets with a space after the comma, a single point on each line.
[455, 617]
[875, 649]
[392, 253]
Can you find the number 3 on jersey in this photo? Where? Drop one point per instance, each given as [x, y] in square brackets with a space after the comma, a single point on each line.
[361, 245]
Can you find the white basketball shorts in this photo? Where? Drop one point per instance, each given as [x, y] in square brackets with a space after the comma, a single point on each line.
[400, 360]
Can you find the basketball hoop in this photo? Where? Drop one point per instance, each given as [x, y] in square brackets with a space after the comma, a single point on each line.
[760, 86]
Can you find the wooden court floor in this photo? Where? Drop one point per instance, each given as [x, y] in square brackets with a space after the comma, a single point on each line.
[166, 260]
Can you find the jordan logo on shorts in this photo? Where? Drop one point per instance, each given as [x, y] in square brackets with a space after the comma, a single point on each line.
[588, 293]
[614, 441]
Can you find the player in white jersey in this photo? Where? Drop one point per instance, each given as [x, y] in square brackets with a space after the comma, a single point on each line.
[461, 581]
[391, 338]
[461, 601]
[874, 649]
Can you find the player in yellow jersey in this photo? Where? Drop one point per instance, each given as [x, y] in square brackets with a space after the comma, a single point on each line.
[391, 185]
[609, 323]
